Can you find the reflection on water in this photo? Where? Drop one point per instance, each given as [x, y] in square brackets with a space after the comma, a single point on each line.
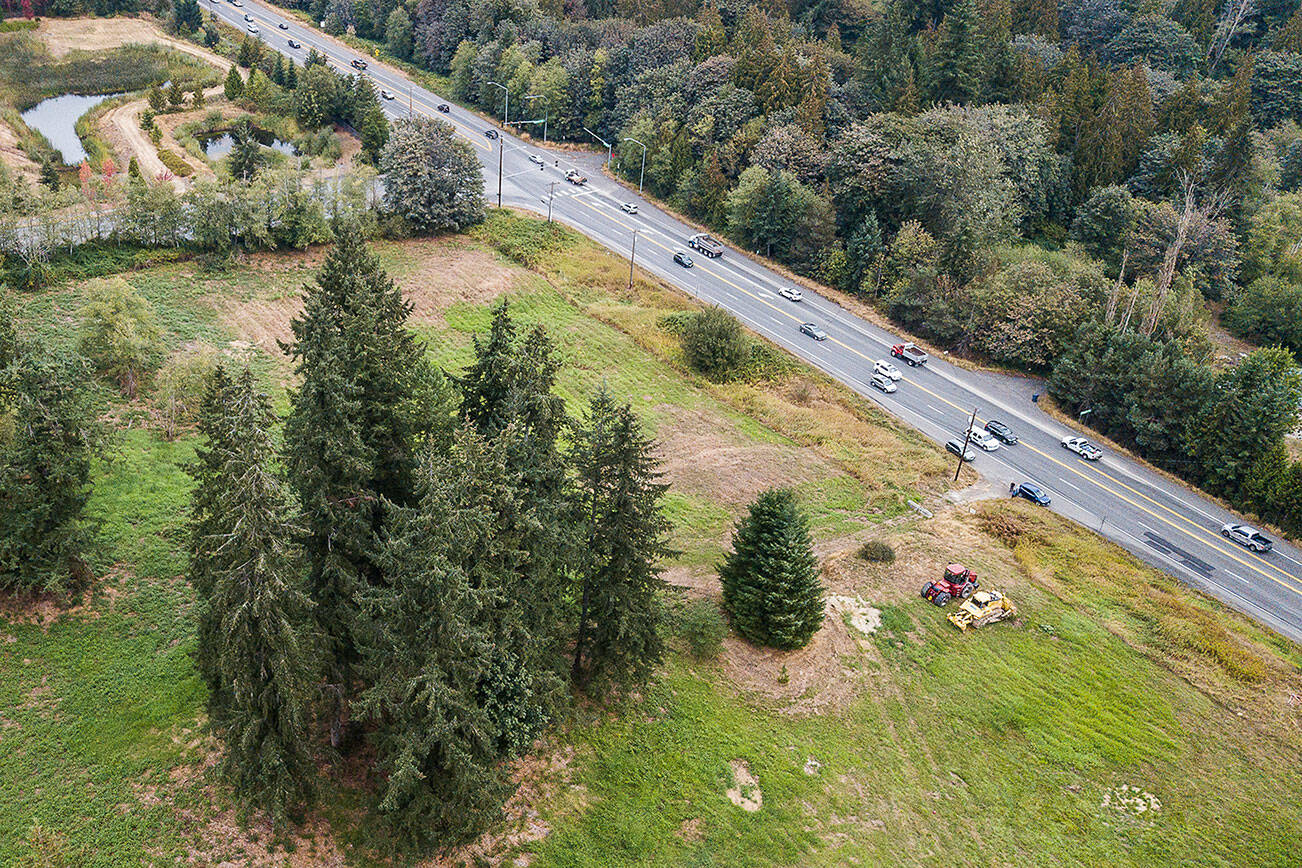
[219, 145]
[56, 119]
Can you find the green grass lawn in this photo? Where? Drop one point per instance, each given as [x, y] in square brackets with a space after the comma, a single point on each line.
[996, 747]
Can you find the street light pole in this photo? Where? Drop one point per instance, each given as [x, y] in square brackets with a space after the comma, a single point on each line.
[603, 141]
[501, 146]
[550, 197]
[506, 109]
[641, 176]
[632, 253]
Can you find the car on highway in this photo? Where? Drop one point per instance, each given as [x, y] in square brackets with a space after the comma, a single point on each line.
[357, 63]
[248, 17]
[983, 439]
[808, 328]
[1082, 447]
[535, 159]
[253, 28]
[576, 178]
[283, 26]
[1031, 491]
[1002, 431]
[237, 2]
[883, 382]
[629, 207]
[1247, 536]
[956, 447]
[384, 94]
[681, 257]
[491, 134]
[294, 43]
[443, 107]
[790, 293]
[886, 369]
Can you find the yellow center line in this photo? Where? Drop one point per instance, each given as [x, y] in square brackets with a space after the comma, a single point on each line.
[1214, 542]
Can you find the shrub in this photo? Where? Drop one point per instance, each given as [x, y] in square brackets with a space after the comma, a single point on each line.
[119, 332]
[180, 388]
[1006, 527]
[700, 624]
[715, 344]
[177, 166]
[876, 551]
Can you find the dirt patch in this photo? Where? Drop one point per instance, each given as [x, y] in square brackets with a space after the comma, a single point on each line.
[690, 830]
[62, 35]
[43, 610]
[703, 456]
[861, 616]
[745, 791]
[262, 323]
[445, 273]
[13, 156]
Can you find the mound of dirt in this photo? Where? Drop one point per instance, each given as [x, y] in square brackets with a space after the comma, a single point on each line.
[745, 791]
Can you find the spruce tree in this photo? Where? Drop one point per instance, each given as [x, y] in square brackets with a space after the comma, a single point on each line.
[771, 589]
[958, 74]
[507, 396]
[255, 643]
[234, 86]
[46, 455]
[617, 640]
[430, 647]
[351, 437]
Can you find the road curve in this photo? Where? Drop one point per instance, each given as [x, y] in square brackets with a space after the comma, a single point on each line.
[1164, 523]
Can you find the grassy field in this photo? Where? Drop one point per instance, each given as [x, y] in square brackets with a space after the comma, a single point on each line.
[1019, 744]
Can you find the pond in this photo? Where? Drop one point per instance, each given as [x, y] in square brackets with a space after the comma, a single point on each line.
[56, 119]
[217, 145]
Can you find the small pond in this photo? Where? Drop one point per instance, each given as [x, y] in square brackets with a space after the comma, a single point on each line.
[56, 119]
[217, 145]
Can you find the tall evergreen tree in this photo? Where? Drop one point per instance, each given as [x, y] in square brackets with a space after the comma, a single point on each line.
[45, 464]
[430, 646]
[959, 67]
[771, 589]
[351, 436]
[255, 640]
[508, 395]
[623, 538]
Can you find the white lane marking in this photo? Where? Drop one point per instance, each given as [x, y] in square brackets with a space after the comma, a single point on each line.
[1239, 577]
[1065, 482]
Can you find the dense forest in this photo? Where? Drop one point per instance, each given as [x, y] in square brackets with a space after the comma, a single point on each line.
[994, 175]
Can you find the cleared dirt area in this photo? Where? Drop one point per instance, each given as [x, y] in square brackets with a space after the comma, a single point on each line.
[62, 35]
[13, 157]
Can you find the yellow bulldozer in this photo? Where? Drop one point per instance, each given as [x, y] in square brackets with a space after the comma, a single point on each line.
[982, 608]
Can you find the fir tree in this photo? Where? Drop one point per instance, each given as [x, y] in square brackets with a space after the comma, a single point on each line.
[45, 465]
[959, 68]
[291, 75]
[49, 175]
[350, 436]
[430, 645]
[234, 87]
[623, 538]
[254, 638]
[771, 589]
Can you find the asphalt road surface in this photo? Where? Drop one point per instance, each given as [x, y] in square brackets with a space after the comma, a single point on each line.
[1164, 523]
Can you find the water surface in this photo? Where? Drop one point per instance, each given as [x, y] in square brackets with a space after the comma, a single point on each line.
[56, 119]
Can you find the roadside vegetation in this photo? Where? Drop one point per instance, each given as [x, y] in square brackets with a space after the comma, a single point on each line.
[1119, 719]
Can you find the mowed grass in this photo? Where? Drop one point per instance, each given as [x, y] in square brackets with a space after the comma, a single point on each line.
[996, 747]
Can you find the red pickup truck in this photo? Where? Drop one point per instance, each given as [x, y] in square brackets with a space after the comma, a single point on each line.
[909, 353]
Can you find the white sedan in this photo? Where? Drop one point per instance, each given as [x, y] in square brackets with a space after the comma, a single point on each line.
[629, 207]
[535, 159]
[1082, 447]
[791, 293]
[886, 369]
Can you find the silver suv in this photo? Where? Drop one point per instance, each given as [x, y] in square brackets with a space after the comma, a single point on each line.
[1247, 536]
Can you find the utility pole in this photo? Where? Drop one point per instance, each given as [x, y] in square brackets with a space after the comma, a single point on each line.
[966, 439]
[632, 254]
[411, 113]
[603, 141]
[501, 146]
[550, 197]
[643, 173]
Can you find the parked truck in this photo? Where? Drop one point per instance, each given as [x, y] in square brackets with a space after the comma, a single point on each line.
[705, 244]
[908, 352]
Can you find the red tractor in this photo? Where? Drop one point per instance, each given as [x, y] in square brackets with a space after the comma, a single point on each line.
[958, 581]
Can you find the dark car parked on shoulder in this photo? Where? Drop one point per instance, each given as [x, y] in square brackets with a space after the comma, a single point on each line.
[1031, 491]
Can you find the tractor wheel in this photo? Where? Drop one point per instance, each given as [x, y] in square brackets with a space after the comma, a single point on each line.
[941, 599]
[926, 591]
[967, 590]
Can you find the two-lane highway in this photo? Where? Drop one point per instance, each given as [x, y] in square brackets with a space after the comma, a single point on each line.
[1162, 522]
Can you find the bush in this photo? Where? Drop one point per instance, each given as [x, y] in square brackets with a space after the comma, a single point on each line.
[1004, 526]
[180, 389]
[700, 624]
[715, 344]
[876, 551]
[119, 332]
[177, 166]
